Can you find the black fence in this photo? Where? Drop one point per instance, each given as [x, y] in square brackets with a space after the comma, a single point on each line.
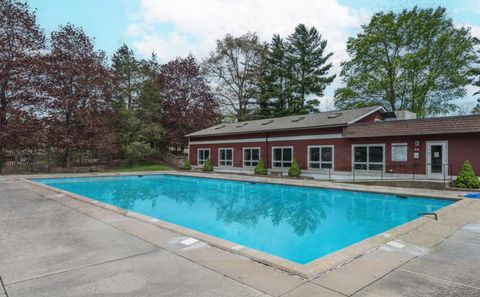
[47, 162]
[381, 172]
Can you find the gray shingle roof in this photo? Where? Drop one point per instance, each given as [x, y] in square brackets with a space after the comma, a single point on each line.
[428, 126]
[316, 120]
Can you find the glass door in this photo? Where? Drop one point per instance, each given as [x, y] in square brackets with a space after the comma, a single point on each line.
[437, 159]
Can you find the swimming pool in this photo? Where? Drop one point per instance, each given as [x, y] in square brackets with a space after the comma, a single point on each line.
[297, 223]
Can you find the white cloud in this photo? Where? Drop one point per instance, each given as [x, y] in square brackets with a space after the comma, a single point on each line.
[196, 25]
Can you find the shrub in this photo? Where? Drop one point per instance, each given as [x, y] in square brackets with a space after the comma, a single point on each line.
[466, 177]
[207, 165]
[260, 169]
[186, 165]
[138, 151]
[294, 170]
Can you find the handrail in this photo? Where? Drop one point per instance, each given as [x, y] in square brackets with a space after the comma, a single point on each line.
[429, 214]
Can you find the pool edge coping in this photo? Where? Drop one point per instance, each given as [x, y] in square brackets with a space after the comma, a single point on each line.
[309, 271]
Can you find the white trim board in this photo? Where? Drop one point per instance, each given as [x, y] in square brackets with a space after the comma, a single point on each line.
[271, 139]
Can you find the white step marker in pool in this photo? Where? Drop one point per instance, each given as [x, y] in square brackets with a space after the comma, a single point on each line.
[237, 247]
[189, 241]
[153, 220]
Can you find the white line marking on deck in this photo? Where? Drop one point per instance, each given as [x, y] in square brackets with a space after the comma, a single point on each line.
[188, 241]
[395, 244]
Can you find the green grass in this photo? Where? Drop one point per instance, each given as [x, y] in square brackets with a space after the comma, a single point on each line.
[139, 167]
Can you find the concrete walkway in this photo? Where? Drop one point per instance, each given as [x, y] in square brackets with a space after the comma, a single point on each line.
[52, 245]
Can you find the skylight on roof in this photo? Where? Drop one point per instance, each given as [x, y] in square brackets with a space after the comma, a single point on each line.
[298, 119]
[220, 127]
[269, 122]
[242, 125]
[334, 115]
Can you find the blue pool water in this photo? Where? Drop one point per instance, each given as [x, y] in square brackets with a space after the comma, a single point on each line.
[300, 224]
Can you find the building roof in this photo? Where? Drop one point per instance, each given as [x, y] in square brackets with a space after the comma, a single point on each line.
[429, 126]
[307, 121]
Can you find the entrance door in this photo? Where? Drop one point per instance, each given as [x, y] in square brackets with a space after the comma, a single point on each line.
[437, 159]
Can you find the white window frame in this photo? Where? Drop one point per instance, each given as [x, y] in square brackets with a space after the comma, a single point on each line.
[203, 160]
[391, 151]
[251, 160]
[320, 162]
[368, 163]
[224, 160]
[273, 156]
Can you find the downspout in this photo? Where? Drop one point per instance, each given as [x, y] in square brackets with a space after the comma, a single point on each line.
[268, 151]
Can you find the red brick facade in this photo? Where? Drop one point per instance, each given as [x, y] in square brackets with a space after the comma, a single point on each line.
[460, 147]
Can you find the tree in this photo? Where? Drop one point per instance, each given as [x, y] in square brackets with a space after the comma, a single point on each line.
[293, 71]
[77, 106]
[126, 76]
[274, 80]
[187, 101]
[150, 109]
[476, 109]
[415, 60]
[21, 42]
[309, 69]
[137, 101]
[475, 72]
[233, 70]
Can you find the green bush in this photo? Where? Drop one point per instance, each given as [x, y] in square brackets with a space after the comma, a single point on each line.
[138, 151]
[260, 169]
[186, 165]
[207, 165]
[294, 170]
[466, 177]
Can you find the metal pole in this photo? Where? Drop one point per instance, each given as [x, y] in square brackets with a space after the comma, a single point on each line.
[413, 168]
[353, 170]
[443, 169]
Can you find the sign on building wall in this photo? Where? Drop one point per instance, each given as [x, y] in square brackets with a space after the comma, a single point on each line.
[399, 152]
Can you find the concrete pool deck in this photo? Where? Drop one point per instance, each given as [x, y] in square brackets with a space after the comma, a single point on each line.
[54, 245]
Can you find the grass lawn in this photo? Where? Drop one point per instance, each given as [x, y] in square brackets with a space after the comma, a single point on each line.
[139, 167]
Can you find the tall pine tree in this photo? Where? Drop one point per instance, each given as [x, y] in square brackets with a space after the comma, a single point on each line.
[294, 71]
[309, 68]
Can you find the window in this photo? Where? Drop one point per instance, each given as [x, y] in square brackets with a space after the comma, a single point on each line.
[203, 155]
[320, 157]
[282, 156]
[251, 156]
[225, 157]
[368, 157]
[399, 152]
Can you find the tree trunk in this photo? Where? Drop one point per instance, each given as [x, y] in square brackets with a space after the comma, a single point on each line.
[2, 159]
[68, 158]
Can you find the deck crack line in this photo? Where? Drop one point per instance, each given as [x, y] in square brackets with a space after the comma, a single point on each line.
[408, 261]
[144, 240]
[442, 279]
[81, 267]
[3, 286]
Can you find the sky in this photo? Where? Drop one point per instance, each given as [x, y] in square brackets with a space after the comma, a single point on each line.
[173, 28]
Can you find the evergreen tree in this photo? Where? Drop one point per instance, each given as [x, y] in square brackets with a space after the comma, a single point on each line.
[309, 68]
[149, 105]
[294, 70]
[127, 76]
[275, 79]
[476, 109]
